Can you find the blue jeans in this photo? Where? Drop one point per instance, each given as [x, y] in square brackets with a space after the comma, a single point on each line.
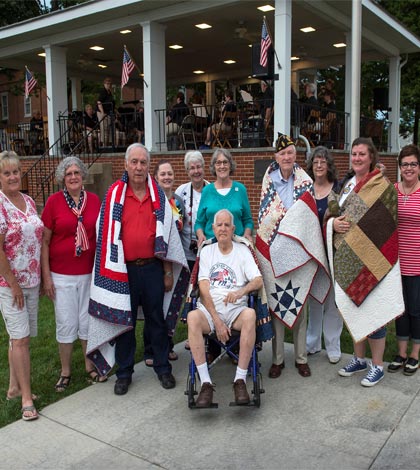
[147, 290]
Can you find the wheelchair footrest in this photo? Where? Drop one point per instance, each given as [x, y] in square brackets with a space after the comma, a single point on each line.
[213, 405]
[250, 403]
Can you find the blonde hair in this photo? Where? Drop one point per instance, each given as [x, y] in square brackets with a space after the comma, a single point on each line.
[9, 158]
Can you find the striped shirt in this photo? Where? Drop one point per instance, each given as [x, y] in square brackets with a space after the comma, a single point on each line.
[409, 232]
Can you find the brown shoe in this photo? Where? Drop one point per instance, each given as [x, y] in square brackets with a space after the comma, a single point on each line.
[275, 370]
[303, 369]
[241, 393]
[205, 397]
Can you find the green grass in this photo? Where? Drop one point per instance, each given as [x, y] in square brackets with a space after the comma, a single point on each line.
[45, 363]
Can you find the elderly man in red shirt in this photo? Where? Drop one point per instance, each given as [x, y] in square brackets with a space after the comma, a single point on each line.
[139, 261]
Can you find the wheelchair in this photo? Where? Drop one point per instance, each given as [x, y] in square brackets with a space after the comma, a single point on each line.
[228, 349]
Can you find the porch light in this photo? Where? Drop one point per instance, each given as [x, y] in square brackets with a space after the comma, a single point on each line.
[42, 54]
[339, 44]
[307, 29]
[198, 72]
[203, 26]
[229, 61]
[102, 66]
[126, 31]
[265, 8]
[96, 48]
[294, 57]
[176, 46]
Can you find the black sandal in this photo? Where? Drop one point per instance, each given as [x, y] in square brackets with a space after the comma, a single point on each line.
[63, 383]
[96, 378]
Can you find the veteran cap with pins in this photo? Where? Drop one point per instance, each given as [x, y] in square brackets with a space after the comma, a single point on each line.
[283, 141]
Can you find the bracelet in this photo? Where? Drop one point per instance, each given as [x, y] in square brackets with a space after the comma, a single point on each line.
[169, 273]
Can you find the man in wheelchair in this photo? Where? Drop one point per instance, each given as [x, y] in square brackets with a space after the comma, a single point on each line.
[227, 274]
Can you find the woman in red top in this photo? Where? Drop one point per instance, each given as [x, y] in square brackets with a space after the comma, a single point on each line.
[164, 175]
[68, 251]
[408, 325]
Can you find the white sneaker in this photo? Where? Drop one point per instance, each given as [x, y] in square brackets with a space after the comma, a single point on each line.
[334, 359]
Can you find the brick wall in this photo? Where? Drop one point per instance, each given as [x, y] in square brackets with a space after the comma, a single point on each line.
[245, 160]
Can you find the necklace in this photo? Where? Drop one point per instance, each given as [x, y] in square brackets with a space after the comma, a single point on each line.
[322, 191]
[408, 193]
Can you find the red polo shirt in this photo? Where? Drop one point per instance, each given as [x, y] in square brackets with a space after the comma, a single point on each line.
[138, 226]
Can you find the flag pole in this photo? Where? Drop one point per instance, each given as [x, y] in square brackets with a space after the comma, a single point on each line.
[139, 71]
[272, 42]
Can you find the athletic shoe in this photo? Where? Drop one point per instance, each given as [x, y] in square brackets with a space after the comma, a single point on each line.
[411, 366]
[334, 359]
[374, 376]
[397, 364]
[352, 367]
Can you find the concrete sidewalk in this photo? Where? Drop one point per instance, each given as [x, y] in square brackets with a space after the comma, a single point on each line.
[322, 422]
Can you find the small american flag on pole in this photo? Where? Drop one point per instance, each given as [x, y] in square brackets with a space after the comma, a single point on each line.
[127, 68]
[265, 44]
[30, 82]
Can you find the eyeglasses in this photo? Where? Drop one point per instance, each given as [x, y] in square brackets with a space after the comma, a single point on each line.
[72, 173]
[411, 165]
[222, 163]
[319, 163]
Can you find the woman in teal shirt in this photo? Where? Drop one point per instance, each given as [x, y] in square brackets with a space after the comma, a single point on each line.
[224, 193]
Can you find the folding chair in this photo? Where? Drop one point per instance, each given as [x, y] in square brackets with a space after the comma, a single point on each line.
[269, 129]
[226, 130]
[187, 132]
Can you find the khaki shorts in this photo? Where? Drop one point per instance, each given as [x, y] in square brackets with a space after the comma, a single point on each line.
[227, 314]
[20, 323]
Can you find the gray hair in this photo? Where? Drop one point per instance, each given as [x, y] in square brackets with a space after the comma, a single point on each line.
[311, 86]
[9, 157]
[66, 163]
[191, 157]
[226, 211]
[227, 154]
[137, 145]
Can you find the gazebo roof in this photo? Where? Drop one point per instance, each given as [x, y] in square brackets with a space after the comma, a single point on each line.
[235, 25]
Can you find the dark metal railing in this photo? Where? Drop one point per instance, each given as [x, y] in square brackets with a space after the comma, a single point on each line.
[319, 124]
[25, 138]
[39, 181]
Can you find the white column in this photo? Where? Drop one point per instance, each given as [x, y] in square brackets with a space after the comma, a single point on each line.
[394, 102]
[347, 96]
[76, 93]
[155, 76]
[356, 54]
[56, 78]
[283, 46]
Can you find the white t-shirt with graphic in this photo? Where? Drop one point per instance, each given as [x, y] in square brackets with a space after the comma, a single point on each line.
[227, 272]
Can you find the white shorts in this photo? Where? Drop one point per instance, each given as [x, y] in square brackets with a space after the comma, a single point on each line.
[228, 314]
[20, 323]
[71, 305]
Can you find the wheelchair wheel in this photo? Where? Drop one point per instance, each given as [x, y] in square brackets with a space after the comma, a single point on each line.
[191, 391]
[257, 390]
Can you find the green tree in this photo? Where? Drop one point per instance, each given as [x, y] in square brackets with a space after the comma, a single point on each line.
[408, 12]
[13, 11]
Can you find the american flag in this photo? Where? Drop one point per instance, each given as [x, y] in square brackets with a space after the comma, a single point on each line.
[127, 68]
[30, 82]
[265, 44]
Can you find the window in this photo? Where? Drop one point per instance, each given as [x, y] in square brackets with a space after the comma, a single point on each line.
[4, 106]
[27, 107]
